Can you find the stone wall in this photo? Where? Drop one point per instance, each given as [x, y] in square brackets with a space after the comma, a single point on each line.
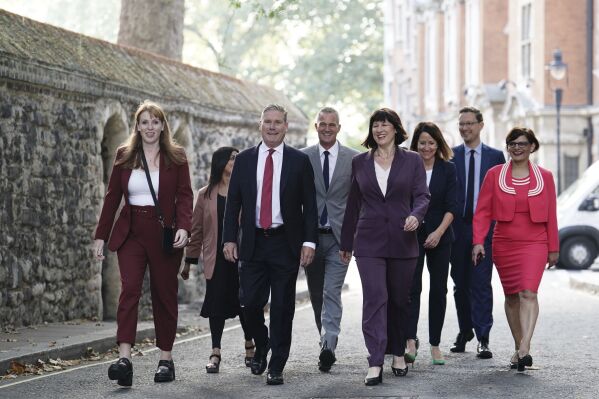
[60, 126]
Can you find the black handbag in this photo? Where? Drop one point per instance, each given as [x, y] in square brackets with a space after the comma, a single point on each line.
[168, 232]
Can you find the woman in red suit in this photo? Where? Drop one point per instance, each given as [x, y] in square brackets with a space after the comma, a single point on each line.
[520, 196]
[137, 234]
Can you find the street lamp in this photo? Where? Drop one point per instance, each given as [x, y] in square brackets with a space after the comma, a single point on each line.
[558, 71]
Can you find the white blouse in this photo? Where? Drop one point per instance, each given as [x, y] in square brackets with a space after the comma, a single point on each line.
[382, 176]
[139, 191]
[429, 173]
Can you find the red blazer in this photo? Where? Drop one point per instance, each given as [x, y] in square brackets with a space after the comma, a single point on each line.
[174, 195]
[497, 201]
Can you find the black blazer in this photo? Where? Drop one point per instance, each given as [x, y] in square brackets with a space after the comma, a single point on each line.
[443, 189]
[297, 197]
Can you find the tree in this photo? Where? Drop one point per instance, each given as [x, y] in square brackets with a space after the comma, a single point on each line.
[153, 25]
[319, 52]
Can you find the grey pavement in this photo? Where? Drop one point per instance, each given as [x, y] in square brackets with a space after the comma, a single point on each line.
[74, 339]
[564, 349]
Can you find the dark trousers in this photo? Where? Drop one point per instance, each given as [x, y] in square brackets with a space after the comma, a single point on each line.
[386, 284]
[437, 262]
[217, 326]
[472, 290]
[142, 248]
[272, 270]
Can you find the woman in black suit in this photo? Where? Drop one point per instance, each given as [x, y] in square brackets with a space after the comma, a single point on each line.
[434, 236]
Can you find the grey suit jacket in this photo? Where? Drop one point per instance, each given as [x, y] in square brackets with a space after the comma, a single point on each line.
[336, 197]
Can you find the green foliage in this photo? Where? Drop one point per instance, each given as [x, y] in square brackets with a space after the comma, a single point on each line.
[319, 52]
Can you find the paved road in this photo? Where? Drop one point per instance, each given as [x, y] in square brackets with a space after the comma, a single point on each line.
[565, 352]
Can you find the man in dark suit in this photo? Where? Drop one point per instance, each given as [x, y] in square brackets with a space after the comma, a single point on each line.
[472, 290]
[272, 188]
[331, 163]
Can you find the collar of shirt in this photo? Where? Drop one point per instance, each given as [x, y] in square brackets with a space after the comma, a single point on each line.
[333, 151]
[278, 149]
[478, 149]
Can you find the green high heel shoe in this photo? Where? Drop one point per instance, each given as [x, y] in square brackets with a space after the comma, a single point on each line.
[437, 362]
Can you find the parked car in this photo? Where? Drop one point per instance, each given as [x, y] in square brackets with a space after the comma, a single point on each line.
[578, 221]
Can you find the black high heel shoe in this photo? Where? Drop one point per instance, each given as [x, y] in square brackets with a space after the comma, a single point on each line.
[400, 372]
[523, 362]
[122, 371]
[374, 380]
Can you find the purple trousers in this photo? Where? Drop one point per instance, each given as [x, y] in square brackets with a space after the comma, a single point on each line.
[386, 284]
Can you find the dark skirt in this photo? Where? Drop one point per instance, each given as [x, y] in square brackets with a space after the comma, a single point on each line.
[222, 291]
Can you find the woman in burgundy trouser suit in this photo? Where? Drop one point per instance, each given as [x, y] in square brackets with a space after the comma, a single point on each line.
[137, 234]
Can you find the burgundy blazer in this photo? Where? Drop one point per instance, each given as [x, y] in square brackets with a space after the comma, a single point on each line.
[497, 201]
[373, 222]
[204, 232]
[174, 195]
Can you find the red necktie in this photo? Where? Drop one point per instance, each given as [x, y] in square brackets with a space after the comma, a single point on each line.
[266, 200]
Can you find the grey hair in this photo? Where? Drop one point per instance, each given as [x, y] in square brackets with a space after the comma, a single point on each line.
[275, 107]
[328, 110]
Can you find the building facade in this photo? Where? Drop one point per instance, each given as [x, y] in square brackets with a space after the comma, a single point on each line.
[66, 103]
[441, 55]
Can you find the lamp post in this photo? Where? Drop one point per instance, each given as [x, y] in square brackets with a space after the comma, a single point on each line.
[558, 71]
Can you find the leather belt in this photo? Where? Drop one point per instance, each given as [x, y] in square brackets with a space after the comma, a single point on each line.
[325, 230]
[273, 231]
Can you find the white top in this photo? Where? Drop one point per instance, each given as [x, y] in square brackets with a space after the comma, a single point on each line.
[429, 173]
[277, 162]
[382, 176]
[139, 191]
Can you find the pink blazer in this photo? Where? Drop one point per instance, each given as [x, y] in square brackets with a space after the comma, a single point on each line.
[497, 201]
[204, 231]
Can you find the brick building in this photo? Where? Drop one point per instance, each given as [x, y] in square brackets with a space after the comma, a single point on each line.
[66, 103]
[441, 55]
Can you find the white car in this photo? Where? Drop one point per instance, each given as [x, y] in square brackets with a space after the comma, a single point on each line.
[578, 221]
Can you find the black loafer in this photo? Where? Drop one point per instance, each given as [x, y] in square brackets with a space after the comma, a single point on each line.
[259, 361]
[326, 359]
[483, 351]
[165, 371]
[122, 371]
[459, 345]
[274, 378]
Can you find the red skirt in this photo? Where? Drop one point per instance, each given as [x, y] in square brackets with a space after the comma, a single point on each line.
[520, 251]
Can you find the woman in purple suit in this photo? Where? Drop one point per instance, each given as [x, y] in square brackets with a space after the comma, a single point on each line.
[387, 202]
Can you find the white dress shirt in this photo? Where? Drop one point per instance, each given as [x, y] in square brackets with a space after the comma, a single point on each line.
[382, 176]
[333, 156]
[277, 161]
[477, 164]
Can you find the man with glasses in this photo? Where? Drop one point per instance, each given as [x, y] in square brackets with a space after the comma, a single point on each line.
[472, 290]
[331, 163]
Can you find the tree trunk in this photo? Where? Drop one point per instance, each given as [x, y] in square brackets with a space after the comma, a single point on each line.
[153, 25]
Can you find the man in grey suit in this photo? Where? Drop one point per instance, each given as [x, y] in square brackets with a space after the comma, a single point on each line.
[331, 162]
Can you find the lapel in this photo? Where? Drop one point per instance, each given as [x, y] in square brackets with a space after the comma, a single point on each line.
[125, 183]
[459, 164]
[253, 167]
[436, 177]
[342, 157]
[396, 165]
[371, 173]
[484, 163]
[164, 178]
[314, 155]
[285, 168]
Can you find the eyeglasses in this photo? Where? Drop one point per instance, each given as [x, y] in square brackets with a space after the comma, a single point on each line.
[517, 144]
[467, 124]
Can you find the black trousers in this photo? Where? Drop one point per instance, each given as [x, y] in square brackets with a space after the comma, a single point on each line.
[437, 262]
[272, 270]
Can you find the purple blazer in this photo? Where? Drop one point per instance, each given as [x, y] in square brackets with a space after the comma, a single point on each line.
[373, 222]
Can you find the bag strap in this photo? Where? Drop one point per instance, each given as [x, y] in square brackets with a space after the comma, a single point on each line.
[143, 160]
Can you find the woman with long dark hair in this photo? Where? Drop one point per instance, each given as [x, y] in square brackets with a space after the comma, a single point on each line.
[222, 279]
[435, 237]
[137, 234]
